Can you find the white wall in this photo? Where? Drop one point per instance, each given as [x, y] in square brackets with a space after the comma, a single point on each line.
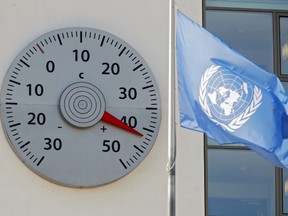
[190, 197]
[144, 25]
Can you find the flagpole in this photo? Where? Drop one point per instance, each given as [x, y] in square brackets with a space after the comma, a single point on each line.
[171, 169]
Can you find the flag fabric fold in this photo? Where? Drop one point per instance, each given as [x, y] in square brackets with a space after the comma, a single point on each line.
[228, 97]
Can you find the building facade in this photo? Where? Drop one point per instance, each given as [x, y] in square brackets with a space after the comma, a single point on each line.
[145, 26]
[238, 177]
[210, 179]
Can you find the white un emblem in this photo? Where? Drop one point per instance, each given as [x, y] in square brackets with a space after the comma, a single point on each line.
[226, 99]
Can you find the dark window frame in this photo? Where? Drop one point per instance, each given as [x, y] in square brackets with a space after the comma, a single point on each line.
[278, 15]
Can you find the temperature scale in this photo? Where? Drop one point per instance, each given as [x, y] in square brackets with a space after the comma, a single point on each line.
[80, 107]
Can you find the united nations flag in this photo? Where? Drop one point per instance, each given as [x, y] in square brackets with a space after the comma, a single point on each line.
[228, 97]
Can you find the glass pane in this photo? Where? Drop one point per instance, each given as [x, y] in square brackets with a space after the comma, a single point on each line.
[250, 33]
[285, 191]
[212, 142]
[285, 85]
[257, 4]
[284, 44]
[240, 183]
[285, 187]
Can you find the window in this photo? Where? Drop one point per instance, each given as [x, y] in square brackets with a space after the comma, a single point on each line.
[239, 181]
[256, 4]
[250, 33]
[285, 191]
[284, 44]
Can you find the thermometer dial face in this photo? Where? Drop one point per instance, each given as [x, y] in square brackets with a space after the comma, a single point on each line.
[80, 107]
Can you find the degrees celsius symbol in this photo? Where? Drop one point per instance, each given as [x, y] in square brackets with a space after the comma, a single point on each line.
[80, 107]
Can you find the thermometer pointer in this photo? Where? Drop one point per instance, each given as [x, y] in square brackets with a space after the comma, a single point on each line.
[110, 119]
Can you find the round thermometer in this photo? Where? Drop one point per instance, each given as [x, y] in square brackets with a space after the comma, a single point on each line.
[80, 107]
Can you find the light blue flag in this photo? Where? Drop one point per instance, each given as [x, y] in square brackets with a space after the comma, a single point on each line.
[228, 97]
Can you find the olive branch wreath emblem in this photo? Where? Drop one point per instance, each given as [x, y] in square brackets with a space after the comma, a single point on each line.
[237, 122]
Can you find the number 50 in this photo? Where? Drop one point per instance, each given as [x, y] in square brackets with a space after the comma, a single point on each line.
[111, 146]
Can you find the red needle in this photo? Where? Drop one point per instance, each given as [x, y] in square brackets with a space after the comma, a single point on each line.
[110, 119]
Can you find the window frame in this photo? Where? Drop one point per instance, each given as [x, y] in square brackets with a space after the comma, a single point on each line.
[276, 14]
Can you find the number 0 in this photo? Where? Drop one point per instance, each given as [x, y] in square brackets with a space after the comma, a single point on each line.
[50, 66]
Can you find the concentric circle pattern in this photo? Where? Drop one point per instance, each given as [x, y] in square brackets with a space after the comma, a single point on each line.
[82, 104]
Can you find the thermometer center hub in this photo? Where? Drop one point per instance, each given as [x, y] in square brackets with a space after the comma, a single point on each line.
[82, 104]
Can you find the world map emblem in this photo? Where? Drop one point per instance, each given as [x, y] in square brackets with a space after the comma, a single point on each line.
[226, 99]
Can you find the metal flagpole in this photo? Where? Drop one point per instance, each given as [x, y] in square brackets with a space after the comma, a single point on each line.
[171, 114]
